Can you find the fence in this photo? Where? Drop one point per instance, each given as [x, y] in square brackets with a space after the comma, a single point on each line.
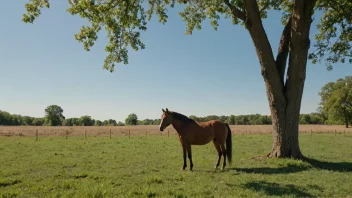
[105, 131]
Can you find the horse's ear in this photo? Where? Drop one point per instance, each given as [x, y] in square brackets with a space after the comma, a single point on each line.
[163, 110]
[167, 111]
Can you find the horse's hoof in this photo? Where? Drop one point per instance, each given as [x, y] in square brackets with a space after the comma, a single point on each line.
[182, 169]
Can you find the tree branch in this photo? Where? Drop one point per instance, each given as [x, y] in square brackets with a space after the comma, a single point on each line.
[235, 11]
[281, 58]
[265, 54]
[265, 6]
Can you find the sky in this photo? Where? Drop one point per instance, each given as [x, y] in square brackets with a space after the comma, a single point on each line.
[207, 73]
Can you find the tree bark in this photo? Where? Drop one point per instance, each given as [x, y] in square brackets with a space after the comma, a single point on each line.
[284, 99]
[346, 120]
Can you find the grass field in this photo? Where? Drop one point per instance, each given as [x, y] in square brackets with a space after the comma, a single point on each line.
[150, 167]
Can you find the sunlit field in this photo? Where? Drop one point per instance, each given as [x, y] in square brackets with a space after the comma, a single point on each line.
[143, 164]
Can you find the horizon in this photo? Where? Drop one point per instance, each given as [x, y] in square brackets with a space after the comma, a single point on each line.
[43, 64]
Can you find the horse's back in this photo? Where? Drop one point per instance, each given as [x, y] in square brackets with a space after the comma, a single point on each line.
[204, 132]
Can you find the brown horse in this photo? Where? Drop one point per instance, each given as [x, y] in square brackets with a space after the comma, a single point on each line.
[191, 132]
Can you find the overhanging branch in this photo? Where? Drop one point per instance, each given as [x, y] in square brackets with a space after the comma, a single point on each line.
[235, 11]
[265, 6]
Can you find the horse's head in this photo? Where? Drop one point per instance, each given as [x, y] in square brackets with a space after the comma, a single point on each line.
[166, 119]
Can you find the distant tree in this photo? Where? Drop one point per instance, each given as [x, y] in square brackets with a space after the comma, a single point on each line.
[98, 123]
[17, 120]
[105, 123]
[316, 118]
[147, 122]
[263, 120]
[132, 119]
[336, 100]
[230, 120]
[222, 118]
[112, 122]
[305, 119]
[38, 121]
[76, 122]
[53, 115]
[5, 118]
[156, 121]
[120, 124]
[212, 117]
[86, 121]
[27, 120]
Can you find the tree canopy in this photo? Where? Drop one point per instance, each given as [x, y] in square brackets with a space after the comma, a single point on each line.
[125, 20]
[132, 119]
[54, 115]
[336, 101]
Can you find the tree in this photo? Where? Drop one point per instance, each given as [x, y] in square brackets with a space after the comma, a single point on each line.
[86, 121]
[231, 120]
[38, 122]
[98, 123]
[305, 119]
[120, 124]
[112, 122]
[53, 115]
[156, 121]
[5, 118]
[132, 119]
[336, 100]
[123, 21]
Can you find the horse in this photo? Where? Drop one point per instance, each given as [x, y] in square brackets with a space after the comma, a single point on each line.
[191, 132]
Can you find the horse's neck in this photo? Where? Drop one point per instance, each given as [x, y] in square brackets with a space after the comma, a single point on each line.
[178, 125]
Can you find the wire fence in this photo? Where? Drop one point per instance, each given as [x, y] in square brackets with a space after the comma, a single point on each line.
[151, 130]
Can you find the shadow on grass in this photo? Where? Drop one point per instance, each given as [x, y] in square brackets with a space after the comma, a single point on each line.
[9, 183]
[267, 170]
[293, 168]
[332, 166]
[276, 189]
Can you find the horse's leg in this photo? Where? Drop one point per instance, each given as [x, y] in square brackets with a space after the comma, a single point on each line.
[223, 150]
[184, 157]
[189, 152]
[217, 146]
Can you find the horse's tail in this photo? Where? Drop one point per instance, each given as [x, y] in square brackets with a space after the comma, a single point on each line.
[229, 144]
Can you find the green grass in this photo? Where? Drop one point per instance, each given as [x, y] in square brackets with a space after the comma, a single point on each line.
[150, 167]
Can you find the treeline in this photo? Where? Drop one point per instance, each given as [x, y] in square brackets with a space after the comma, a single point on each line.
[253, 119]
[8, 119]
[16, 120]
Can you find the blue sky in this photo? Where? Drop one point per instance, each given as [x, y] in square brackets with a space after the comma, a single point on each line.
[210, 72]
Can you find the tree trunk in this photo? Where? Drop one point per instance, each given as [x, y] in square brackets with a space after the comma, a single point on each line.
[284, 99]
[346, 120]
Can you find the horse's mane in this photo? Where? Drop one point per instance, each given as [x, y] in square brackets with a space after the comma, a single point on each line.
[182, 117]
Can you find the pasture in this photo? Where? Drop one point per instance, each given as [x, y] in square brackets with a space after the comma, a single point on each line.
[147, 164]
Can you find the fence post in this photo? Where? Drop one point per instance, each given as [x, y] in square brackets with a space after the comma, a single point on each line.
[66, 134]
[168, 133]
[311, 131]
[335, 132]
[110, 133]
[344, 132]
[146, 134]
[85, 134]
[129, 134]
[37, 134]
